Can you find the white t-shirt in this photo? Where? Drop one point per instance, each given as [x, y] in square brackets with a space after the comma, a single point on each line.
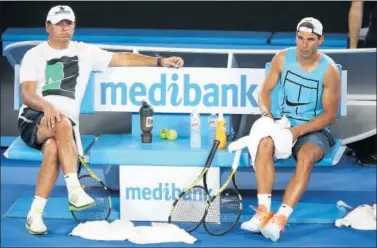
[62, 75]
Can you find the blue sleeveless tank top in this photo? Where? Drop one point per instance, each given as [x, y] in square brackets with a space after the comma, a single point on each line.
[300, 94]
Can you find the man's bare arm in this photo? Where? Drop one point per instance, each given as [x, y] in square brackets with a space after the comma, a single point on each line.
[32, 100]
[270, 82]
[134, 59]
[330, 102]
[30, 97]
[355, 18]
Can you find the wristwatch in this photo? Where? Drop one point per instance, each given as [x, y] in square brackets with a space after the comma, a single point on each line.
[265, 113]
[159, 64]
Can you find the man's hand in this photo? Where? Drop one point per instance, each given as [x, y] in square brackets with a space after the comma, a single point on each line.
[176, 62]
[50, 114]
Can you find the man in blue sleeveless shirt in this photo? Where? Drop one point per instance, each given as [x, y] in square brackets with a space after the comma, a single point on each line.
[309, 97]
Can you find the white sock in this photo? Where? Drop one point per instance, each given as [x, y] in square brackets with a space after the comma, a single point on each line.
[285, 210]
[72, 181]
[265, 199]
[38, 205]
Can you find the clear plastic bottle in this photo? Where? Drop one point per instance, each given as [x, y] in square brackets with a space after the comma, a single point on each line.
[195, 136]
[212, 128]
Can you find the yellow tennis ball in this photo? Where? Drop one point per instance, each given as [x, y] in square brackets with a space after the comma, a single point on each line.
[172, 134]
[163, 133]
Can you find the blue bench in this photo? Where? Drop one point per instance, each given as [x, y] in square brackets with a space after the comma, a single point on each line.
[113, 149]
[104, 150]
[20, 151]
[127, 149]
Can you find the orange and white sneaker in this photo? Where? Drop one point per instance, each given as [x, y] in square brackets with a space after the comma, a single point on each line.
[260, 217]
[273, 227]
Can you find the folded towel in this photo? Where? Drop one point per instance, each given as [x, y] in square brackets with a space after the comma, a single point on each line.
[125, 230]
[282, 137]
[258, 131]
[267, 127]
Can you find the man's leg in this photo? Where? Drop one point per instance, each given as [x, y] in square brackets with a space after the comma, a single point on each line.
[48, 173]
[265, 177]
[264, 166]
[63, 134]
[308, 150]
[68, 158]
[307, 156]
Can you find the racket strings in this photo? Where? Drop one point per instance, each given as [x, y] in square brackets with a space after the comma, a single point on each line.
[223, 213]
[189, 209]
[102, 205]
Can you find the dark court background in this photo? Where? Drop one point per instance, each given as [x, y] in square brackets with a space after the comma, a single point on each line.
[246, 16]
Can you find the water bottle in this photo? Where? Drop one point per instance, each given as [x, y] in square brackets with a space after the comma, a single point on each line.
[221, 131]
[212, 127]
[195, 136]
[146, 122]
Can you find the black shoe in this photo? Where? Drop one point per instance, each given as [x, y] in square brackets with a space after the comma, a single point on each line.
[370, 160]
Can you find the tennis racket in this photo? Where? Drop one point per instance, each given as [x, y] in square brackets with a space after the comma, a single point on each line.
[94, 187]
[188, 209]
[225, 207]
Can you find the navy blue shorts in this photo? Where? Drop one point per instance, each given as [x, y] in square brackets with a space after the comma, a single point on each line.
[27, 124]
[322, 138]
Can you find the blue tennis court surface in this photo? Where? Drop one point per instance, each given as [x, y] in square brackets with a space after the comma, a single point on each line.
[311, 223]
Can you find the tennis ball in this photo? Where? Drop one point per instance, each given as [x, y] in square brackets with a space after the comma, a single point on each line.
[163, 133]
[172, 134]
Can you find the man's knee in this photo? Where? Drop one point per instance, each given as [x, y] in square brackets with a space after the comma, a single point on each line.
[308, 155]
[50, 147]
[63, 126]
[266, 145]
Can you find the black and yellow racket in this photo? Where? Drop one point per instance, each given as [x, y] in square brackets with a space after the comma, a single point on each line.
[94, 187]
[188, 210]
[225, 207]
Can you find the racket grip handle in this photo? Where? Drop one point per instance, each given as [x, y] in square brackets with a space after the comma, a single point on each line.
[212, 153]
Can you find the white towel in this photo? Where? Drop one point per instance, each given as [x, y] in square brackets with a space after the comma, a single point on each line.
[258, 131]
[125, 230]
[267, 127]
[282, 137]
[361, 218]
[160, 233]
[103, 230]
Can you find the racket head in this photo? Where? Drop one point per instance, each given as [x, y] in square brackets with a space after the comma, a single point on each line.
[224, 212]
[103, 205]
[189, 209]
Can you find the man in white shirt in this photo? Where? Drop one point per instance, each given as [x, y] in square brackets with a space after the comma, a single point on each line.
[53, 78]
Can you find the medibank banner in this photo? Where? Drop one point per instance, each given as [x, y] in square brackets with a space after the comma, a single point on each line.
[179, 90]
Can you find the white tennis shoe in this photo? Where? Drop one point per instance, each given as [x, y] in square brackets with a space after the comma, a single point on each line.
[34, 223]
[79, 199]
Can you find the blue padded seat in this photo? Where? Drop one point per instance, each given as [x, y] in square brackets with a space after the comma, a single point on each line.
[144, 36]
[332, 40]
[20, 151]
[122, 149]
